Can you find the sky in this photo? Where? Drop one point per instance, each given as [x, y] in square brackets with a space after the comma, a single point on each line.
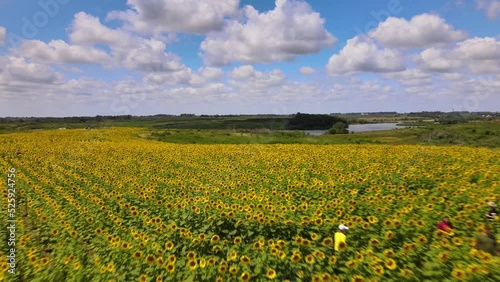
[86, 58]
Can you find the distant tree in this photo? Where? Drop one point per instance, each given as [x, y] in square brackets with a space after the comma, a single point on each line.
[339, 128]
[302, 121]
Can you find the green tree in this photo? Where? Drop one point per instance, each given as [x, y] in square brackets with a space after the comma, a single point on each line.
[339, 128]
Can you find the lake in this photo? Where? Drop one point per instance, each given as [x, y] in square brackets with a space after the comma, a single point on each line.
[361, 128]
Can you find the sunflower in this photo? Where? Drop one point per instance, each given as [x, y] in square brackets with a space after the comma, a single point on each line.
[192, 264]
[171, 259]
[169, 245]
[306, 243]
[319, 255]
[222, 268]
[299, 240]
[257, 245]
[389, 253]
[170, 268]
[310, 259]
[110, 267]
[390, 264]
[389, 235]
[314, 236]
[271, 273]
[281, 244]
[143, 278]
[237, 240]
[443, 256]
[44, 261]
[233, 269]
[327, 242]
[372, 219]
[332, 260]
[350, 264]
[296, 258]
[191, 255]
[422, 239]
[150, 259]
[378, 270]
[245, 276]
[232, 255]
[374, 242]
[473, 268]
[358, 278]
[359, 256]
[458, 274]
[406, 273]
[457, 241]
[211, 261]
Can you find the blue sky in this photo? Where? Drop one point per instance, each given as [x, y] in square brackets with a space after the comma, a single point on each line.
[68, 57]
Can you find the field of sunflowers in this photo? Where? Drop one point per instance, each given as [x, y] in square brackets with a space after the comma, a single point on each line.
[108, 205]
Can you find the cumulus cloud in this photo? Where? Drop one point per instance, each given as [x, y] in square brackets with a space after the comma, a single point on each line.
[363, 55]
[437, 60]
[186, 76]
[127, 50]
[491, 7]
[307, 70]
[58, 51]
[476, 55]
[248, 78]
[16, 69]
[191, 16]
[410, 77]
[3, 32]
[487, 48]
[291, 29]
[421, 31]
[88, 30]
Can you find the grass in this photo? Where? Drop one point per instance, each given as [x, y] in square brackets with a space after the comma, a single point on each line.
[483, 134]
[269, 130]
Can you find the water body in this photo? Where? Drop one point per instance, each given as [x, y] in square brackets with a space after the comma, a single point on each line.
[361, 128]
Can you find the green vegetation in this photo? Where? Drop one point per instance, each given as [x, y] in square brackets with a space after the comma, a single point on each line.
[473, 129]
[313, 122]
[478, 134]
[339, 128]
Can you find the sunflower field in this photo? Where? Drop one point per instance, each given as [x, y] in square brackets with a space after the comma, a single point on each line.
[108, 205]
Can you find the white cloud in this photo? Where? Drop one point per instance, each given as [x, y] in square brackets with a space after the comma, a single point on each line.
[410, 77]
[191, 16]
[247, 77]
[307, 70]
[487, 48]
[246, 71]
[186, 76]
[88, 30]
[476, 55]
[211, 73]
[148, 56]
[421, 31]
[129, 51]
[16, 70]
[363, 55]
[3, 33]
[290, 30]
[438, 60]
[58, 51]
[491, 7]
